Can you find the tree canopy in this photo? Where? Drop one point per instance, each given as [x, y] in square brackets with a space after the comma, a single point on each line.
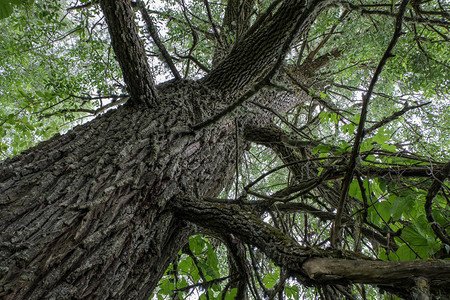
[355, 175]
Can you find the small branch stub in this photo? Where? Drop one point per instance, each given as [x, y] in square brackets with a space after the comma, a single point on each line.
[421, 290]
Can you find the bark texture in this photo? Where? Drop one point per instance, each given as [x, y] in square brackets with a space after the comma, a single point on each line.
[130, 51]
[83, 214]
[261, 47]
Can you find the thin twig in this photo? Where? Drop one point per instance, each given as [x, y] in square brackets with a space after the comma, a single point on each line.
[196, 61]
[155, 36]
[194, 38]
[394, 116]
[360, 131]
[417, 20]
[203, 285]
[213, 25]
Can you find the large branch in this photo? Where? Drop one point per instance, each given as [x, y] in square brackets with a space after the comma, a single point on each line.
[262, 50]
[287, 147]
[387, 273]
[153, 30]
[309, 265]
[129, 50]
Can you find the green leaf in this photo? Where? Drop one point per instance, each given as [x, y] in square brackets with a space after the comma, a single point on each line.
[185, 265]
[207, 269]
[231, 295]
[381, 137]
[270, 280]
[421, 237]
[354, 190]
[211, 257]
[40, 94]
[11, 121]
[400, 205]
[384, 210]
[387, 147]
[166, 286]
[357, 118]
[5, 9]
[404, 253]
[322, 149]
[439, 218]
[196, 244]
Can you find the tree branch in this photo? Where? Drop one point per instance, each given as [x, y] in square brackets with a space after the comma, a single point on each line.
[130, 51]
[360, 131]
[418, 20]
[213, 25]
[246, 62]
[155, 36]
[309, 265]
[394, 116]
[396, 274]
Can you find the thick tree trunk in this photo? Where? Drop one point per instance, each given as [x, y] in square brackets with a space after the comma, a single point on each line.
[83, 215]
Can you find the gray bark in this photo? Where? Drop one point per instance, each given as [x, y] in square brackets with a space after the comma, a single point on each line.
[83, 214]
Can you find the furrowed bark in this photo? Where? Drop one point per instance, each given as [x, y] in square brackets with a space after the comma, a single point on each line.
[130, 51]
[258, 52]
[83, 214]
[400, 274]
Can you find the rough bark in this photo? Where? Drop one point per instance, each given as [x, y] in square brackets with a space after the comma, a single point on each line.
[387, 273]
[130, 51]
[101, 211]
[83, 214]
[261, 47]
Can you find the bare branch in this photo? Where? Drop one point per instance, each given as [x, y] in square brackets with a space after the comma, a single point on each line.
[417, 20]
[432, 192]
[196, 61]
[155, 36]
[308, 265]
[394, 116]
[213, 25]
[360, 131]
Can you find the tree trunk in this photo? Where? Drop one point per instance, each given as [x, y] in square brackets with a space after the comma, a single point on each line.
[84, 213]
[101, 211]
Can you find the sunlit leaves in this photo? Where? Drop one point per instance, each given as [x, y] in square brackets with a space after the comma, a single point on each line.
[202, 260]
[271, 278]
[47, 57]
[6, 9]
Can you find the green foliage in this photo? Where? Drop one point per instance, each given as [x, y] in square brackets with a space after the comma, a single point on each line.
[7, 7]
[51, 63]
